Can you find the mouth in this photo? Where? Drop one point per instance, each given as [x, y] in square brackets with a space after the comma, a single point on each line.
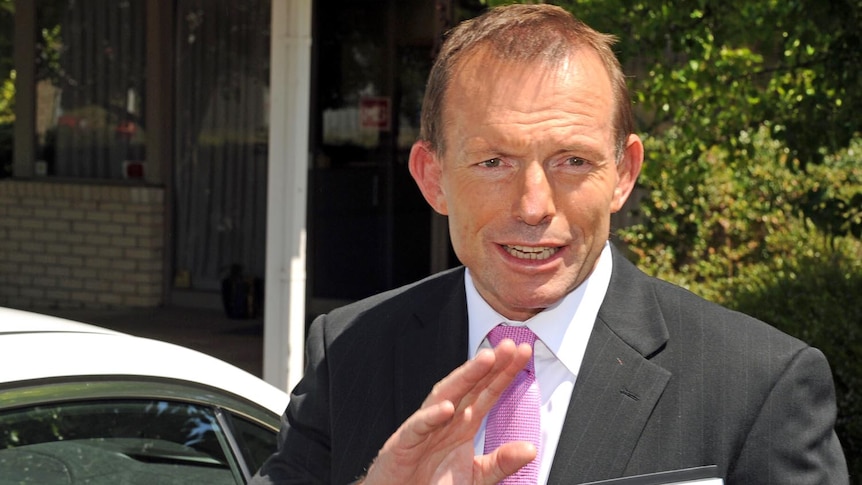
[531, 252]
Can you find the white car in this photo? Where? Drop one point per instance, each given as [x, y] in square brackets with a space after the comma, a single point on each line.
[83, 404]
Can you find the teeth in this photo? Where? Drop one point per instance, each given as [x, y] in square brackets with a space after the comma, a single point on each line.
[528, 252]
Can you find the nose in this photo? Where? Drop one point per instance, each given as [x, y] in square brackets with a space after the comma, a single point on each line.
[535, 204]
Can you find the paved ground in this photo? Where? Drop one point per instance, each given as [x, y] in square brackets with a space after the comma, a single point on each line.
[239, 342]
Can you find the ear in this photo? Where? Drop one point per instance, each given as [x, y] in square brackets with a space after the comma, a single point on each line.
[426, 169]
[628, 170]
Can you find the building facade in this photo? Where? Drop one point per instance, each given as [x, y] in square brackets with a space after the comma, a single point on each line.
[141, 149]
[210, 152]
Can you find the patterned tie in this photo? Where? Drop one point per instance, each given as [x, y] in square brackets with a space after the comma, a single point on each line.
[515, 416]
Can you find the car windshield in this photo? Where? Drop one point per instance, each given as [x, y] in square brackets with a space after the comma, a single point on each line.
[109, 442]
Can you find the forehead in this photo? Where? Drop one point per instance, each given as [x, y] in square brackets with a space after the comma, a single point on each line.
[486, 88]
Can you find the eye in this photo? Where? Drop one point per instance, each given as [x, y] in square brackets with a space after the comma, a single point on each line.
[492, 163]
[575, 162]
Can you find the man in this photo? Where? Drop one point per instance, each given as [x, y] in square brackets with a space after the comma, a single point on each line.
[528, 147]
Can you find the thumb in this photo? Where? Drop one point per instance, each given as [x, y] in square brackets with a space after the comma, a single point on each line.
[502, 462]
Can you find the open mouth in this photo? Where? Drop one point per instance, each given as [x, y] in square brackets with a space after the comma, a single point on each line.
[529, 252]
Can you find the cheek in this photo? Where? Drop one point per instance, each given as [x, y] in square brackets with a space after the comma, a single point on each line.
[469, 214]
[460, 233]
[464, 220]
[588, 206]
[466, 201]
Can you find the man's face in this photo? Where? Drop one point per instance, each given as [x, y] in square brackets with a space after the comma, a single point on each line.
[529, 177]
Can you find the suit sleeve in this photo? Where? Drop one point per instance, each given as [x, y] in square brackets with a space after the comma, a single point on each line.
[303, 455]
[793, 438]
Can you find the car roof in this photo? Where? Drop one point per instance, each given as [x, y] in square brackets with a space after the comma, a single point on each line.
[37, 347]
[22, 321]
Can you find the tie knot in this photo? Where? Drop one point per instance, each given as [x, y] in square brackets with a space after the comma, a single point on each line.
[517, 334]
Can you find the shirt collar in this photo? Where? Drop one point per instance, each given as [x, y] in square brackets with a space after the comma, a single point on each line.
[564, 328]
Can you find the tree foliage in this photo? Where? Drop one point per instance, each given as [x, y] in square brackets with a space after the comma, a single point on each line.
[706, 72]
[716, 68]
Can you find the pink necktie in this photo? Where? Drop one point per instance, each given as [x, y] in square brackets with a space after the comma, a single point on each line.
[515, 417]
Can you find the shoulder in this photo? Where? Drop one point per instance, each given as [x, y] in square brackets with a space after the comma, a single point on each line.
[422, 292]
[393, 307]
[695, 325]
[763, 396]
[691, 316]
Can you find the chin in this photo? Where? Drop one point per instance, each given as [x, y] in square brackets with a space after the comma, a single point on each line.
[539, 299]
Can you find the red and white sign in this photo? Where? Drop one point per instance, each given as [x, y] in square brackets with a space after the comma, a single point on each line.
[375, 113]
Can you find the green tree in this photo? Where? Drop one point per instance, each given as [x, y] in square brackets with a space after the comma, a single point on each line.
[705, 72]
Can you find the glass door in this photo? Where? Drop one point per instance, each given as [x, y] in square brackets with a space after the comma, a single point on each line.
[369, 227]
[221, 135]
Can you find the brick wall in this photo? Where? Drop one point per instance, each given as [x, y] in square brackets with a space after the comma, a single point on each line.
[65, 245]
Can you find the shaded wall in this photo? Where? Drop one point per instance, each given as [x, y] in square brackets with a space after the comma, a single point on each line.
[80, 245]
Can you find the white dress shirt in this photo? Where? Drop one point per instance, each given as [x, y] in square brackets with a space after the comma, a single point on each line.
[563, 331]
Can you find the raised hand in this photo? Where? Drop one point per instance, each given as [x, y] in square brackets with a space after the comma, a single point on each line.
[435, 445]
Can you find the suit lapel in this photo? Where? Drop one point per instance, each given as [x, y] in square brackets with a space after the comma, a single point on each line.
[617, 386]
[433, 342]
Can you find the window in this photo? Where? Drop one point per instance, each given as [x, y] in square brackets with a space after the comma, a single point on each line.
[149, 441]
[7, 89]
[255, 442]
[90, 82]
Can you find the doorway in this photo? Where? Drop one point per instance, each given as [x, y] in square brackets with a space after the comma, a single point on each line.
[221, 135]
[369, 227]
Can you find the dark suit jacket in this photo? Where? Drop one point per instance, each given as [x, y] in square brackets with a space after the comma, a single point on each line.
[668, 381]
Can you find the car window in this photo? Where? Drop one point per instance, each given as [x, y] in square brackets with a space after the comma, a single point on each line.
[110, 442]
[255, 442]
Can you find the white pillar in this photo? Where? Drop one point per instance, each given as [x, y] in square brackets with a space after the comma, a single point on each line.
[290, 73]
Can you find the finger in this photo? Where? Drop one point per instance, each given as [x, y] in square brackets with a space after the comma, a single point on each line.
[503, 355]
[500, 377]
[502, 462]
[472, 388]
[422, 423]
[404, 449]
[463, 379]
[481, 396]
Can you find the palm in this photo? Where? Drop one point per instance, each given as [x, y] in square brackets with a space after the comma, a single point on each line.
[456, 467]
[435, 445]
